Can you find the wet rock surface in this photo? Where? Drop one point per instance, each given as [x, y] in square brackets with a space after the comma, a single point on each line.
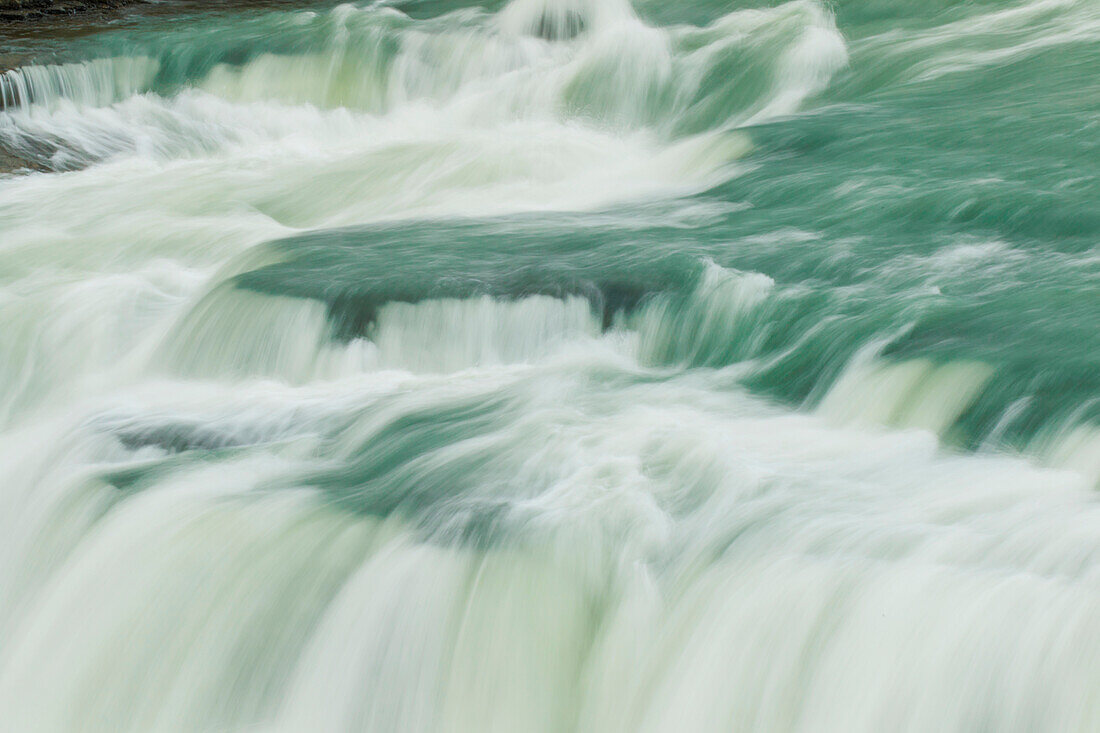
[25, 10]
[12, 163]
[13, 160]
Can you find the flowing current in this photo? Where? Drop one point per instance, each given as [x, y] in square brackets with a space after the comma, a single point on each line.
[554, 365]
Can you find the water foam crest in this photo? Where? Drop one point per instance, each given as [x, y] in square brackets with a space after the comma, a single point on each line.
[592, 63]
[93, 83]
[714, 324]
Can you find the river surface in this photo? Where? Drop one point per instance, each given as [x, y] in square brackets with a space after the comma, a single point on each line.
[553, 365]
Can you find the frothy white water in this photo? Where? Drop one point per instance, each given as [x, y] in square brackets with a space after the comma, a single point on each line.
[95, 83]
[478, 513]
[911, 394]
[473, 115]
[640, 551]
[447, 106]
[919, 394]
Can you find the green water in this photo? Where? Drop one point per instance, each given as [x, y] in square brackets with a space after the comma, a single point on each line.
[553, 365]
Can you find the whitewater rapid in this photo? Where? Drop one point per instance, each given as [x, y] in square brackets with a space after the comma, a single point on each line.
[382, 368]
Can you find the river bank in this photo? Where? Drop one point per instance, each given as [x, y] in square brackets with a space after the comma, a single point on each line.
[25, 11]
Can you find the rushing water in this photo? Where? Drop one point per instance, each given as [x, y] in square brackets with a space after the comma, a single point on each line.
[554, 365]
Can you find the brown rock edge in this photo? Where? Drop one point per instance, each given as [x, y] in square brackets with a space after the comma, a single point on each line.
[25, 10]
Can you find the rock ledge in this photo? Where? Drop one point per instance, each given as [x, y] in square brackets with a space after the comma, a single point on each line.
[24, 10]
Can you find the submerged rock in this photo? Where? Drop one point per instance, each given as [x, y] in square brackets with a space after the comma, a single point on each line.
[11, 162]
[560, 26]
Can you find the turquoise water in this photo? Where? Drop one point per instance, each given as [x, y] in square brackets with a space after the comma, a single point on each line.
[554, 365]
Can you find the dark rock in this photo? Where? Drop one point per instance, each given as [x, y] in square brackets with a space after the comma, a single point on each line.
[559, 26]
[12, 162]
[28, 10]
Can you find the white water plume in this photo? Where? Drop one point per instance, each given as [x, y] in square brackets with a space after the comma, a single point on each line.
[636, 528]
